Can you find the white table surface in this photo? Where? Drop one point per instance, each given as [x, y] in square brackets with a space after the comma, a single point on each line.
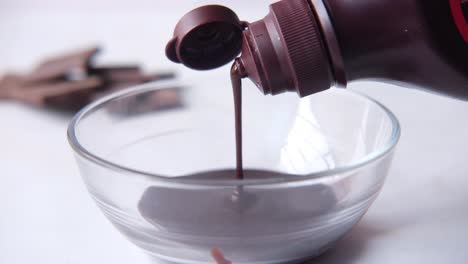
[46, 215]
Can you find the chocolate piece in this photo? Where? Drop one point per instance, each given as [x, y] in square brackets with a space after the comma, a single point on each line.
[53, 93]
[164, 99]
[7, 83]
[118, 73]
[61, 67]
[72, 96]
[70, 81]
[130, 74]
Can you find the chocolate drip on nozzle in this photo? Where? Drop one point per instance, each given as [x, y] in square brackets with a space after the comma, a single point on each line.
[285, 51]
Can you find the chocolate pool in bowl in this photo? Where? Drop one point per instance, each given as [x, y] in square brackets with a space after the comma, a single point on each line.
[278, 211]
[166, 176]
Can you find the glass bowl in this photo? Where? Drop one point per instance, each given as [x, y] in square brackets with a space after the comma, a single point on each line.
[158, 160]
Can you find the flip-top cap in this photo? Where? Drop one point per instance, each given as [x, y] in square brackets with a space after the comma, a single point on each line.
[206, 38]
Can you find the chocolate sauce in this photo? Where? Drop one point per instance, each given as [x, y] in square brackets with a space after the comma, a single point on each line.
[236, 79]
[213, 212]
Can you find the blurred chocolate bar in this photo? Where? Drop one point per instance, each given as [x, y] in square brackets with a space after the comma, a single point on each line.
[158, 100]
[70, 81]
[62, 67]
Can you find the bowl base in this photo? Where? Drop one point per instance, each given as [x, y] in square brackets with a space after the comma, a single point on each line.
[166, 260]
[156, 260]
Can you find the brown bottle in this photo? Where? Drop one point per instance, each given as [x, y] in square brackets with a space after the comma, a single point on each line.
[307, 46]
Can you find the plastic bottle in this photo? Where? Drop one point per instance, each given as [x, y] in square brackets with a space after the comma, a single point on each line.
[308, 46]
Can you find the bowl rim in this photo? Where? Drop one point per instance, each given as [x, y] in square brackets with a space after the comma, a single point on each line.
[81, 151]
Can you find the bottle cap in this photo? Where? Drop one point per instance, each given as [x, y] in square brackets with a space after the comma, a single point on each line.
[206, 38]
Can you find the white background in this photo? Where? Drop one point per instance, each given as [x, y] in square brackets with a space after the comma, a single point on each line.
[46, 215]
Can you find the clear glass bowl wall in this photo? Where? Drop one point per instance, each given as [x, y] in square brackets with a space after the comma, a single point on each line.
[135, 147]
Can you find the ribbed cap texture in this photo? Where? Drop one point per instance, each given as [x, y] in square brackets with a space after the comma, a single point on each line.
[304, 45]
